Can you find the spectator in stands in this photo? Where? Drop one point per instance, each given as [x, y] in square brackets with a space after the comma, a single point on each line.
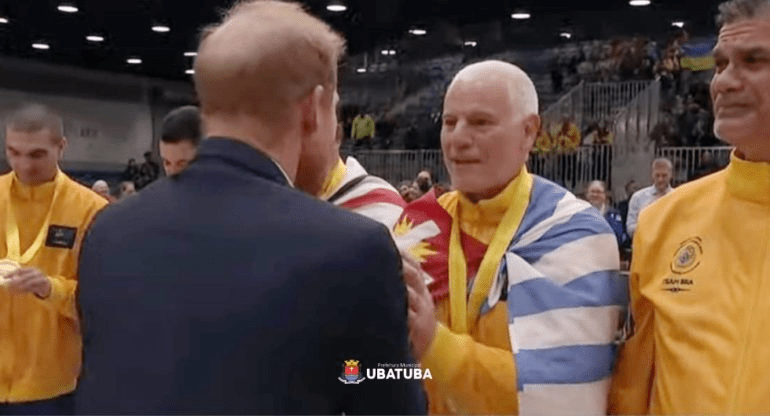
[596, 194]
[441, 188]
[403, 189]
[385, 127]
[127, 188]
[424, 181]
[131, 173]
[102, 188]
[179, 139]
[148, 172]
[504, 231]
[662, 172]
[362, 132]
[630, 188]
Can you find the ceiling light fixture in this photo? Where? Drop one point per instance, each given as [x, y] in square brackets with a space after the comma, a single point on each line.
[41, 46]
[678, 24]
[418, 32]
[361, 70]
[95, 38]
[161, 28]
[391, 52]
[639, 3]
[566, 35]
[134, 61]
[191, 54]
[190, 72]
[4, 20]
[521, 15]
[67, 8]
[470, 43]
[336, 6]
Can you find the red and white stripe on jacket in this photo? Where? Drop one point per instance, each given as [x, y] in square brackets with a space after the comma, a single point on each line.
[373, 197]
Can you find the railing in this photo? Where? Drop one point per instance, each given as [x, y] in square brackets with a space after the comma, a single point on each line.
[691, 163]
[570, 106]
[400, 165]
[602, 101]
[594, 102]
[574, 170]
[634, 150]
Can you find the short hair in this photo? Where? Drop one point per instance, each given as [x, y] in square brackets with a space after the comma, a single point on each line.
[32, 118]
[182, 124]
[285, 55]
[734, 10]
[662, 161]
[597, 182]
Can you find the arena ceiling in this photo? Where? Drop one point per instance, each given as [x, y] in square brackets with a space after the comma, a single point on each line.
[124, 28]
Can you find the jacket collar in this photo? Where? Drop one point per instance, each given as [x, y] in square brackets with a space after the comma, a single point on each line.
[244, 156]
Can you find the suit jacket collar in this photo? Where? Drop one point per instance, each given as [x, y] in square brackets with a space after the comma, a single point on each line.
[235, 152]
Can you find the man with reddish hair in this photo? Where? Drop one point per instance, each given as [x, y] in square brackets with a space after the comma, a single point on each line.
[226, 290]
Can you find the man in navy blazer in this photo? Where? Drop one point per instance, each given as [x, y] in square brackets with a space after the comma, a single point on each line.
[223, 290]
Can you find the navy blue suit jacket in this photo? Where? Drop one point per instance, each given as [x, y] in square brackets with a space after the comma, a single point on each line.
[223, 290]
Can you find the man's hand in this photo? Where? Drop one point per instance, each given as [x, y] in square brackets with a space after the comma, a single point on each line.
[422, 312]
[28, 280]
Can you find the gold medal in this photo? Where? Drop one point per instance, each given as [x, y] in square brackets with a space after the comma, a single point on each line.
[7, 267]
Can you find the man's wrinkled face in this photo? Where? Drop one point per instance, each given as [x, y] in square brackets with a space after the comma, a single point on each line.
[176, 156]
[485, 136]
[740, 88]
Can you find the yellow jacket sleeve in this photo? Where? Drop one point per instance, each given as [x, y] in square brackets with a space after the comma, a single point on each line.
[62, 297]
[632, 381]
[474, 377]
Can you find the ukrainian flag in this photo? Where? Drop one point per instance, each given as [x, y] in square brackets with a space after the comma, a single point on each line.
[697, 56]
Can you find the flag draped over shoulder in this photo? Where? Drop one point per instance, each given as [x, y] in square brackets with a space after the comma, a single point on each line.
[560, 283]
[424, 231]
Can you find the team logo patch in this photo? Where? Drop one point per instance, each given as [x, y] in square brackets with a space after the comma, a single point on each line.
[352, 373]
[688, 256]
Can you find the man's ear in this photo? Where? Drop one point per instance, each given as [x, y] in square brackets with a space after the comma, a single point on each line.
[531, 128]
[311, 110]
[62, 146]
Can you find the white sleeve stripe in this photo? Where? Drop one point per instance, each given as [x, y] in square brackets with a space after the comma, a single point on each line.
[567, 327]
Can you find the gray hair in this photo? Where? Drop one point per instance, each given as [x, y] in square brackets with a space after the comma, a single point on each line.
[598, 182]
[662, 162]
[734, 10]
[32, 118]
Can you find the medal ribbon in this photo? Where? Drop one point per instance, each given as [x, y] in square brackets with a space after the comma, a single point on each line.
[464, 311]
[12, 240]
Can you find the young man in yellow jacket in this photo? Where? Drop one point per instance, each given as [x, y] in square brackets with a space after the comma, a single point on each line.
[700, 277]
[44, 216]
[522, 275]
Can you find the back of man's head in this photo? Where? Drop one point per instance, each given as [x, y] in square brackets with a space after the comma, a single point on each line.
[182, 124]
[265, 56]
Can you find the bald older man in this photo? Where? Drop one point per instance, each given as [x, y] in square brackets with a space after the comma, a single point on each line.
[521, 297]
[224, 290]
